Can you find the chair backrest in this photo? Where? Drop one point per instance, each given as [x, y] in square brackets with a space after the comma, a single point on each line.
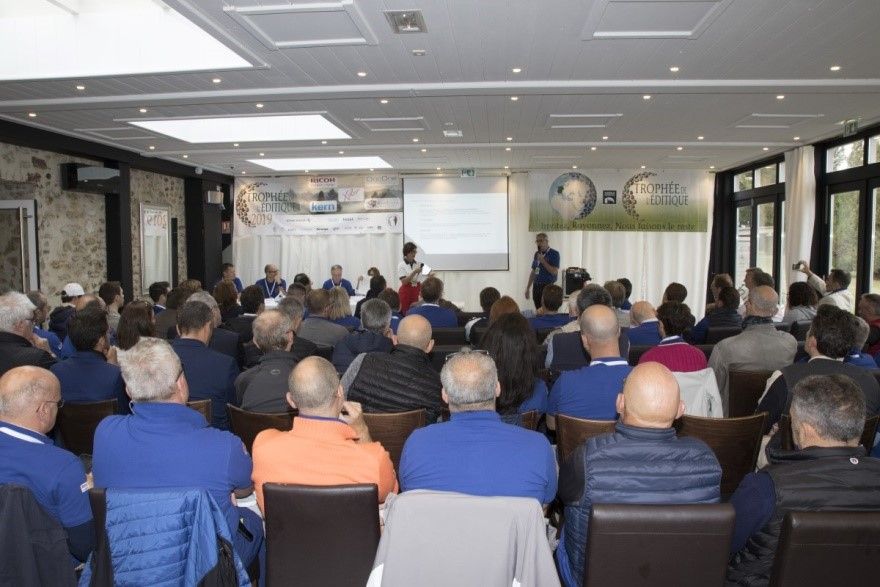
[571, 432]
[320, 535]
[800, 328]
[827, 548]
[787, 438]
[636, 352]
[735, 442]
[465, 317]
[782, 326]
[706, 348]
[716, 333]
[392, 430]
[529, 420]
[325, 352]
[746, 388]
[77, 423]
[440, 352]
[542, 334]
[246, 425]
[477, 333]
[449, 335]
[202, 406]
[681, 545]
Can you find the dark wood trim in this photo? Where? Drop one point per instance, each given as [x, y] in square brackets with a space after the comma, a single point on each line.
[117, 215]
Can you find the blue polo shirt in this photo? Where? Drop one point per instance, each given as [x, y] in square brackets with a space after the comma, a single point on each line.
[343, 283]
[55, 476]
[544, 276]
[646, 333]
[478, 454]
[86, 376]
[590, 392]
[271, 290]
[549, 321]
[210, 375]
[437, 316]
[51, 338]
[235, 281]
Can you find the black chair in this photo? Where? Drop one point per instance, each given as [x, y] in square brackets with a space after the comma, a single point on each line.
[571, 432]
[717, 333]
[449, 336]
[325, 352]
[636, 352]
[817, 549]
[465, 317]
[800, 328]
[77, 423]
[440, 352]
[246, 425]
[782, 326]
[477, 333]
[542, 334]
[324, 536]
[745, 389]
[392, 430]
[202, 406]
[706, 348]
[640, 545]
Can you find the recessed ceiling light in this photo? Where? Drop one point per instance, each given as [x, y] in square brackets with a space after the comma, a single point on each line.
[323, 142]
[216, 80]
[406, 21]
[234, 144]
[646, 97]
[795, 138]
[142, 110]
[438, 169]
[507, 148]
[711, 167]
[643, 166]
[766, 149]
[383, 101]
[322, 163]
[509, 138]
[674, 69]
[574, 166]
[244, 172]
[306, 170]
[244, 129]
[415, 139]
[424, 150]
[80, 87]
[679, 148]
[700, 138]
[448, 124]
[514, 98]
[605, 138]
[362, 74]
[507, 167]
[152, 147]
[371, 169]
[262, 154]
[32, 114]
[342, 152]
[780, 97]
[186, 156]
[592, 148]
[258, 105]
[834, 68]
[419, 52]
[516, 70]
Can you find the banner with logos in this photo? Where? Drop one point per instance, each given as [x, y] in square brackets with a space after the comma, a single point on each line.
[617, 200]
[319, 204]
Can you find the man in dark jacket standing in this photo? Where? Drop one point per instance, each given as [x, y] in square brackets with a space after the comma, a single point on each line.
[829, 471]
[18, 344]
[374, 335]
[642, 461]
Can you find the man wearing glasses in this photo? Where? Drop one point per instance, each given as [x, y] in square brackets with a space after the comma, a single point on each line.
[272, 284]
[18, 344]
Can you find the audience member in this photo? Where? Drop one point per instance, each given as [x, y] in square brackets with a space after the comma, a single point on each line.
[377, 286]
[264, 388]
[401, 380]
[271, 285]
[432, 291]
[192, 285]
[166, 445]
[833, 290]
[227, 275]
[512, 345]
[18, 343]
[166, 321]
[801, 303]
[856, 356]
[488, 296]
[828, 471]
[504, 305]
[673, 352]
[317, 327]
[760, 347]
[325, 446]
[159, 294]
[628, 290]
[211, 374]
[61, 314]
[41, 314]
[298, 291]
[303, 280]
[869, 311]
[674, 292]
[223, 339]
[475, 452]
[251, 304]
[719, 282]
[645, 328]
[30, 398]
[336, 280]
[340, 309]
[590, 392]
[642, 461]
[374, 336]
[114, 298]
[724, 314]
[392, 298]
[618, 294]
[136, 320]
[227, 300]
[548, 315]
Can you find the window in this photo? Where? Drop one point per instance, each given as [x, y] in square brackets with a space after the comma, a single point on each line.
[765, 176]
[874, 149]
[765, 232]
[743, 181]
[743, 243]
[845, 156]
[782, 172]
[844, 233]
[875, 250]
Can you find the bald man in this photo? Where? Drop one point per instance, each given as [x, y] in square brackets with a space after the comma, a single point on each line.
[645, 326]
[590, 392]
[325, 446]
[401, 380]
[642, 461]
[760, 347]
[29, 401]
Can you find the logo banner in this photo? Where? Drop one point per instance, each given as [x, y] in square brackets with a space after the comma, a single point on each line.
[319, 204]
[619, 200]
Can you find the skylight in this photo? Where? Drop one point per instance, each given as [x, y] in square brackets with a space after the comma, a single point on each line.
[322, 163]
[44, 39]
[246, 129]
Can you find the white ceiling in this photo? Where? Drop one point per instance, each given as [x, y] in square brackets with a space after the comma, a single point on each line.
[586, 65]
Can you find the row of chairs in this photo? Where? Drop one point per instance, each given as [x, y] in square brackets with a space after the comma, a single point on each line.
[797, 329]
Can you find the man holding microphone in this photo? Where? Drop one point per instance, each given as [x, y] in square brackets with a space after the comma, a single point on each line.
[545, 268]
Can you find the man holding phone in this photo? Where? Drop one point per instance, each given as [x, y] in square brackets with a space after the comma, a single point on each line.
[272, 284]
[545, 269]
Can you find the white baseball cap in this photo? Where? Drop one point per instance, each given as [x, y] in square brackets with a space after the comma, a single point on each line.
[72, 290]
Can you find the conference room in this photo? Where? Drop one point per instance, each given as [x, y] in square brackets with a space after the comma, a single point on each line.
[517, 145]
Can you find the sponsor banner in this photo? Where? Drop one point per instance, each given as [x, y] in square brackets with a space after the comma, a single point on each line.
[619, 200]
[320, 204]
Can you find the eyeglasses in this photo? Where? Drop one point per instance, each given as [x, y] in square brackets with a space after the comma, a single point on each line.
[467, 352]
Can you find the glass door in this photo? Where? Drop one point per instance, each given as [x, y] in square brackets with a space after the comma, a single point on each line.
[843, 231]
[18, 251]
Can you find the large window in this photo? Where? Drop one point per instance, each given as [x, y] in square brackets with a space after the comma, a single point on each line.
[843, 246]
[743, 242]
[875, 250]
[845, 156]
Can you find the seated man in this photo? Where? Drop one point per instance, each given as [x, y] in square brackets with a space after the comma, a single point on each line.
[642, 461]
[725, 313]
[401, 380]
[618, 295]
[113, 297]
[272, 284]
[377, 285]
[164, 444]
[548, 315]
[251, 300]
[856, 356]
[18, 344]
[86, 376]
[212, 374]
[325, 446]
[645, 327]
[675, 319]
[432, 291]
[591, 391]
[374, 336]
[833, 290]
[674, 292]
[223, 340]
[159, 294]
[61, 314]
[392, 298]
[264, 388]
[336, 280]
[41, 314]
[227, 273]
[627, 291]
[829, 471]
[869, 311]
[488, 296]
[318, 328]
[29, 402]
[475, 452]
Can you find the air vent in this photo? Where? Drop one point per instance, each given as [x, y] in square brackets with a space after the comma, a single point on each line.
[451, 134]
[405, 22]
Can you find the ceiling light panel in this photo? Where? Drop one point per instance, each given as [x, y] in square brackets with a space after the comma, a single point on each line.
[245, 129]
[42, 40]
[406, 21]
[322, 163]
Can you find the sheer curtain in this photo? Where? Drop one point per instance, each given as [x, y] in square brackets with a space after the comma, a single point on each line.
[800, 209]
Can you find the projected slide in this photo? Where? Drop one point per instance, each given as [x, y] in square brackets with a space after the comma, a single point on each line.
[457, 223]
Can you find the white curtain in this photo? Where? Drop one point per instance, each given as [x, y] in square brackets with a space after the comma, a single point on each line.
[800, 209]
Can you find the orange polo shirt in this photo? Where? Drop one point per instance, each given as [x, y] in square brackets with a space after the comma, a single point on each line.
[320, 451]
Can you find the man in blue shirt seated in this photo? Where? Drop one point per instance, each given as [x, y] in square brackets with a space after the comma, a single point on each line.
[374, 336]
[725, 313]
[86, 376]
[547, 315]
[211, 374]
[642, 461]
[272, 284]
[166, 445]
[645, 329]
[432, 291]
[591, 391]
[336, 280]
[475, 452]
[40, 300]
[227, 273]
[29, 402]
[829, 471]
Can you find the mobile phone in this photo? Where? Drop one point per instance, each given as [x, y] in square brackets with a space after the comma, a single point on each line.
[796, 266]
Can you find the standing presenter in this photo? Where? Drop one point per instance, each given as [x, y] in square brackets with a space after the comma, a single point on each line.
[410, 273]
[545, 269]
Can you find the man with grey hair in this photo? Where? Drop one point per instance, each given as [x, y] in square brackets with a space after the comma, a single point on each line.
[164, 444]
[264, 388]
[18, 343]
[336, 280]
[828, 471]
[29, 401]
[760, 347]
[41, 314]
[856, 356]
[475, 452]
[373, 336]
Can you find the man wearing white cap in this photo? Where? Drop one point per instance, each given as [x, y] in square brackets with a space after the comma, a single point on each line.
[60, 316]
